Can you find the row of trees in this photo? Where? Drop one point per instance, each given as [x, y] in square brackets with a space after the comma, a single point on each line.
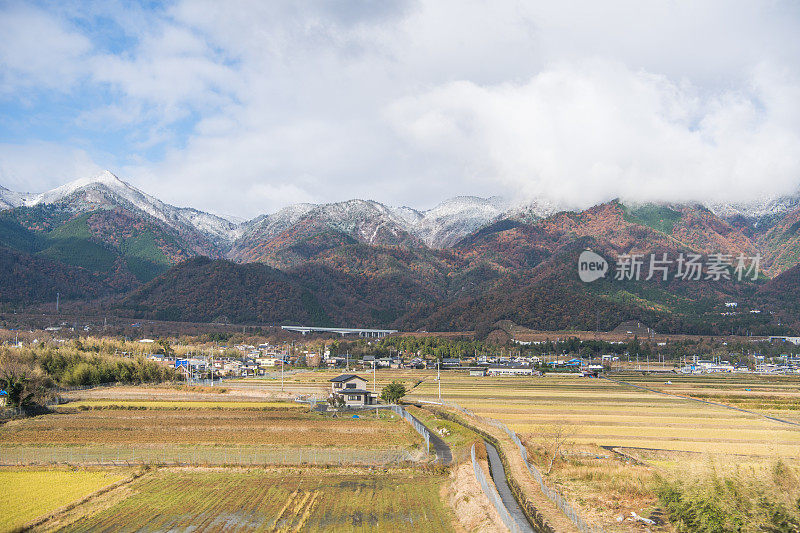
[29, 376]
[439, 347]
[74, 368]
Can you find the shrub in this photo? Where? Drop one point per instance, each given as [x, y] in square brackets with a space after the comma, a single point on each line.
[393, 392]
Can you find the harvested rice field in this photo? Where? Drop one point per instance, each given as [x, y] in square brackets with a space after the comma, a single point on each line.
[272, 427]
[604, 413]
[273, 500]
[694, 449]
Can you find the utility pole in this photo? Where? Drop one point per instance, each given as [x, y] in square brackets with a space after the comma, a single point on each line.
[283, 361]
[439, 378]
[58, 297]
[373, 376]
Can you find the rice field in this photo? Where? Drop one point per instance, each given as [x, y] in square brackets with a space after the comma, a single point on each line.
[280, 500]
[27, 495]
[176, 427]
[173, 404]
[603, 413]
[676, 437]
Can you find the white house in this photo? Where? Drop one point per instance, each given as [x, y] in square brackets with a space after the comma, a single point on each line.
[353, 389]
[512, 371]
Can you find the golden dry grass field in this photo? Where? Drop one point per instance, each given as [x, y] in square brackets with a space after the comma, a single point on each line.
[181, 404]
[677, 438]
[275, 500]
[601, 412]
[27, 495]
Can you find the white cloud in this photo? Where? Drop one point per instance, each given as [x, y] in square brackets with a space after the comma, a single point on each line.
[38, 50]
[35, 167]
[585, 133]
[413, 102]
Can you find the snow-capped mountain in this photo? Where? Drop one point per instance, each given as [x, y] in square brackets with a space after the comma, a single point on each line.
[107, 191]
[363, 221]
[454, 219]
[530, 210]
[371, 222]
[756, 210]
[11, 199]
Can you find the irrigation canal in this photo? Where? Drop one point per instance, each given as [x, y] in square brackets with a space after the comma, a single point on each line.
[499, 478]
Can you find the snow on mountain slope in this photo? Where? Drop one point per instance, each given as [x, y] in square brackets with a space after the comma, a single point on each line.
[269, 226]
[366, 221]
[757, 209]
[220, 228]
[454, 219]
[11, 199]
[107, 191]
[533, 210]
[408, 215]
[371, 222]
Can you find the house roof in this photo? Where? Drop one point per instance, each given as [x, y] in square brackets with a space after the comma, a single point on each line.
[346, 377]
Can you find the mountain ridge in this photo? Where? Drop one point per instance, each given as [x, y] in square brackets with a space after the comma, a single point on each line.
[367, 221]
[467, 261]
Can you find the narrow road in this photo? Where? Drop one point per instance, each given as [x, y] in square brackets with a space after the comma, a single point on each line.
[442, 450]
[499, 477]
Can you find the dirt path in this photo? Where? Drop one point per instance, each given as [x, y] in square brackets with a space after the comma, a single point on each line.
[442, 450]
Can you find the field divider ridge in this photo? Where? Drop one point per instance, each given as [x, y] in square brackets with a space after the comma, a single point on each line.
[698, 400]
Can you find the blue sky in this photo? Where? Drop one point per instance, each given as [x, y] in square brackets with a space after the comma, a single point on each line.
[245, 107]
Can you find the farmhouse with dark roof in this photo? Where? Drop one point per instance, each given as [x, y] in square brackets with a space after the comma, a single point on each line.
[353, 389]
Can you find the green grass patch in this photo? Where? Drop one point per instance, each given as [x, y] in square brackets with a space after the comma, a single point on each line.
[732, 502]
[659, 217]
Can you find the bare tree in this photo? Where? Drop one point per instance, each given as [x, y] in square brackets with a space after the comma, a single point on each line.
[556, 440]
[22, 380]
